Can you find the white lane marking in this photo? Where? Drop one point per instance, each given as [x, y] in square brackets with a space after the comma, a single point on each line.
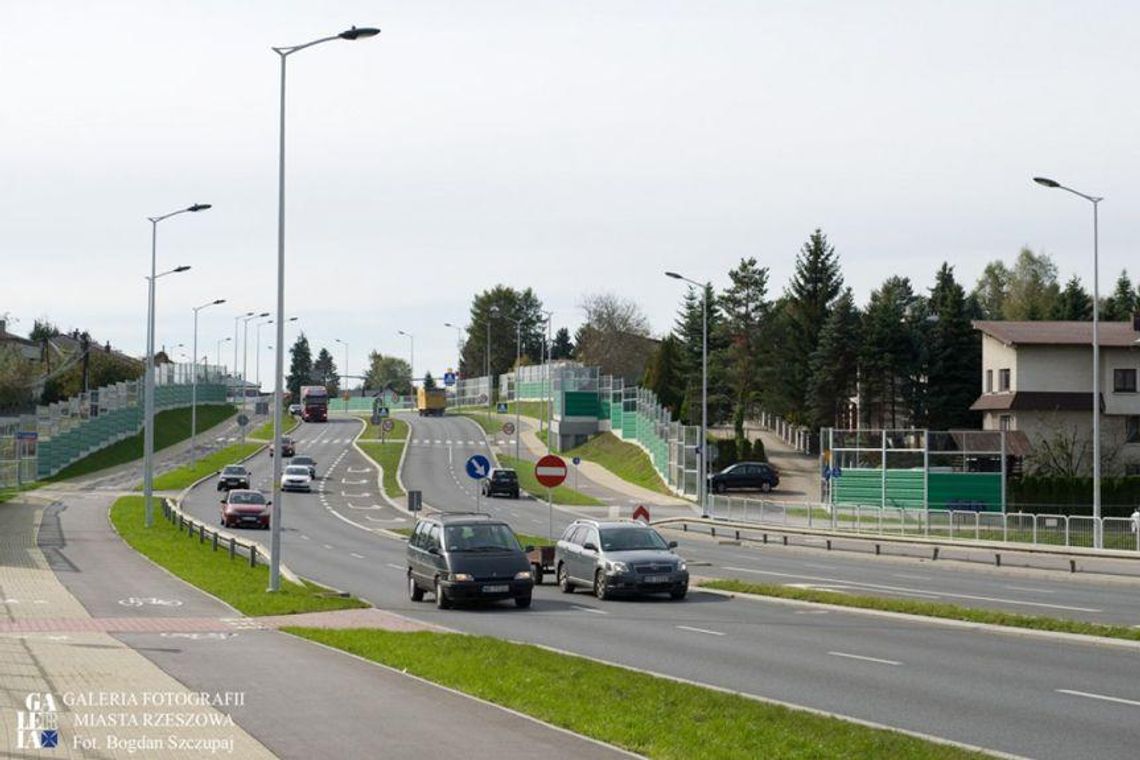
[355, 495]
[395, 566]
[1102, 697]
[363, 469]
[911, 576]
[353, 482]
[358, 556]
[699, 630]
[865, 659]
[327, 546]
[588, 609]
[1030, 590]
[811, 612]
[304, 538]
[903, 590]
[448, 443]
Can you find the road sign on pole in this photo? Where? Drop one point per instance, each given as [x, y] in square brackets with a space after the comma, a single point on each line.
[382, 411]
[449, 378]
[508, 428]
[242, 420]
[550, 471]
[388, 425]
[501, 407]
[478, 466]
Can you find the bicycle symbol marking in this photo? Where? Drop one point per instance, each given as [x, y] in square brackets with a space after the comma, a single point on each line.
[136, 601]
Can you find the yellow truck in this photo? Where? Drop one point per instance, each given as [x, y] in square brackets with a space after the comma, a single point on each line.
[430, 402]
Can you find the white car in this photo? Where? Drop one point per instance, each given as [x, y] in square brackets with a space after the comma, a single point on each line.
[296, 478]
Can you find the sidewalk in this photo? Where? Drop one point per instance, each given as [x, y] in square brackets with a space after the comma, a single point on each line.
[112, 653]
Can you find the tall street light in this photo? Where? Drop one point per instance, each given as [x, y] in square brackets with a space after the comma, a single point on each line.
[344, 368]
[458, 356]
[702, 451]
[218, 351]
[258, 332]
[278, 393]
[518, 362]
[148, 405]
[237, 342]
[1098, 536]
[245, 362]
[548, 349]
[412, 365]
[194, 386]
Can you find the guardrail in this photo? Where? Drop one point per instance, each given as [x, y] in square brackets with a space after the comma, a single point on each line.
[938, 547]
[220, 541]
[1074, 531]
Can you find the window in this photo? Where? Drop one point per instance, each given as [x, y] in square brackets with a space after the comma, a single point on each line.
[433, 538]
[1132, 429]
[989, 381]
[418, 535]
[1124, 380]
[1003, 379]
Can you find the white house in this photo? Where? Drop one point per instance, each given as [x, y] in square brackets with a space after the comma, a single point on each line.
[1037, 378]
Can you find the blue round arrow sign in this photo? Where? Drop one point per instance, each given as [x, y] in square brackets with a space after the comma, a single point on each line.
[478, 466]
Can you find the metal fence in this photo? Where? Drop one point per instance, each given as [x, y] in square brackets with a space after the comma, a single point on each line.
[796, 436]
[1013, 527]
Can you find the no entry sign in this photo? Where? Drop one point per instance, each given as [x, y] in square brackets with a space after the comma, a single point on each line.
[550, 471]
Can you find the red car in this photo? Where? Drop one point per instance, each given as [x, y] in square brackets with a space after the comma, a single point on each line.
[245, 508]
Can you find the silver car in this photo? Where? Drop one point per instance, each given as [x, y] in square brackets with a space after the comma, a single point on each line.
[619, 557]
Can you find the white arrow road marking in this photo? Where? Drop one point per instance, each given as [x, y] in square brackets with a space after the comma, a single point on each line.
[353, 482]
[395, 566]
[355, 495]
[381, 520]
[865, 659]
[700, 630]
[363, 469]
[353, 506]
[588, 609]
[358, 556]
[1103, 697]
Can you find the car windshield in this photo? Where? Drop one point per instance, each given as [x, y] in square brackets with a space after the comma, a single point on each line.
[508, 475]
[483, 537]
[246, 497]
[297, 471]
[628, 539]
[303, 460]
[233, 470]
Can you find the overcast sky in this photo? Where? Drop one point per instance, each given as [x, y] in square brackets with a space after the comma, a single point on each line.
[568, 146]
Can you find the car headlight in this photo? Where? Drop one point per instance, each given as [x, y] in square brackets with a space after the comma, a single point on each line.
[461, 577]
[619, 567]
[681, 566]
[522, 575]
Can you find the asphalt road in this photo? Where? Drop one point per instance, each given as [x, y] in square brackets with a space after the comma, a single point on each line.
[346, 710]
[1007, 692]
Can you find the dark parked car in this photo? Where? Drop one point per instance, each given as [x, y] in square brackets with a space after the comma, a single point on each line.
[750, 476]
[500, 480]
[233, 476]
[467, 557]
[294, 409]
[624, 556]
[243, 508]
[307, 461]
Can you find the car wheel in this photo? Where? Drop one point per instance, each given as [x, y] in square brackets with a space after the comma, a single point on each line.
[441, 600]
[522, 602]
[564, 581]
[765, 487]
[679, 593]
[415, 593]
[719, 488]
[536, 573]
[601, 590]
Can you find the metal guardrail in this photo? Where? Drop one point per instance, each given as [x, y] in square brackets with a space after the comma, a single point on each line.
[742, 530]
[1074, 531]
[227, 542]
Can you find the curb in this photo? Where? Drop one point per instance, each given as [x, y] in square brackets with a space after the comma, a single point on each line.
[1009, 630]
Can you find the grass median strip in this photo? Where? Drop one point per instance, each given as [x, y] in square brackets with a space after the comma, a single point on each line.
[530, 484]
[183, 476]
[372, 432]
[170, 427]
[265, 432]
[927, 609]
[231, 580]
[642, 713]
[387, 456]
[623, 459]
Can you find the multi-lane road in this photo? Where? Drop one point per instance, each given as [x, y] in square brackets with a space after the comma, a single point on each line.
[1008, 692]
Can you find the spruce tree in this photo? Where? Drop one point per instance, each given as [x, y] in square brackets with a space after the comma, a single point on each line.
[745, 307]
[835, 363]
[300, 367]
[1122, 303]
[324, 372]
[888, 353]
[663, 375]
[1074, 304]
[814, 286]
[954, 356]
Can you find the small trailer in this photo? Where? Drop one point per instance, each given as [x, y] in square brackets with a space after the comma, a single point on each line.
[541, 562]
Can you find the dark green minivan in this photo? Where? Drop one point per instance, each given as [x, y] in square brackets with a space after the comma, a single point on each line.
[465, 557]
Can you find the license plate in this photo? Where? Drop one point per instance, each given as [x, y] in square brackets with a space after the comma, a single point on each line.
[657, 579]
[496, 589]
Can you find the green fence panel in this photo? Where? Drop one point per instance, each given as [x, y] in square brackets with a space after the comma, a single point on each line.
[858, 486]
[979, 491]
[580, 404]
[905, 488]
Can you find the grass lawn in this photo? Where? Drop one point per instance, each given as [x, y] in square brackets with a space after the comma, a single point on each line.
[928, 609]
[373, 432]
[492, 425]
[387, 455]
[233, 581]
[530, 484]
[673, 721]
[170, 427]
[289, 423]
[623, 459]
[181, 477]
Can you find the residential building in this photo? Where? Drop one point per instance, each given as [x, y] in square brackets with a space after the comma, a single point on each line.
[1037, 378]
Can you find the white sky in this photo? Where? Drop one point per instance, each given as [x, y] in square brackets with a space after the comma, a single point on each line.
[568, 146]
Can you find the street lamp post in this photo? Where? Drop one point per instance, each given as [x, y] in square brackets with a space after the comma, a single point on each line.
[702, 461]
[148, 402]
[218, 351]
[245, 362]
[549, 351]
[237, 342]
[344, 372]
[257, 350]
[1098, 534]
[411, 338]
[458, 356]
[194, 386]
[279, 354]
